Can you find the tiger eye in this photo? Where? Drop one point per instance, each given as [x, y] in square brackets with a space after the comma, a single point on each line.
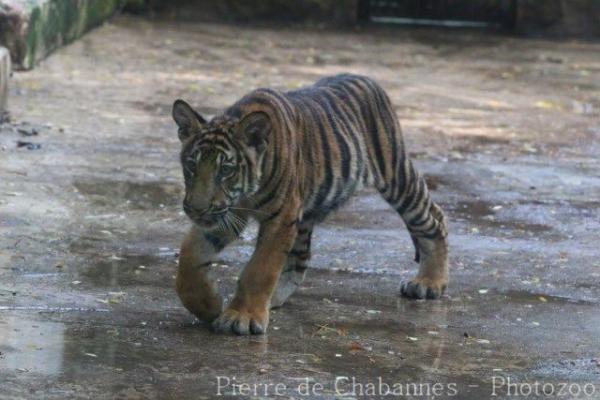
[227, 170]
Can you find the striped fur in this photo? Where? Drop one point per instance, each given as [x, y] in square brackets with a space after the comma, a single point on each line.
[316, 145]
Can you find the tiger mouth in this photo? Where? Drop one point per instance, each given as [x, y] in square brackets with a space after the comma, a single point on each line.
[218, 213]
[206, 219]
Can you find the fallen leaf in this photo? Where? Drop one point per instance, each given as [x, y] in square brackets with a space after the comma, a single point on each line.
[355, 346]
[548, 105]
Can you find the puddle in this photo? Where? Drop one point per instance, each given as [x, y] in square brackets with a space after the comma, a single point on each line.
[128, 271]
[524, 297]
[484, 214]
[51, 309]
[107, 263]
[369, 212]
[31, 346]
[142, 196]
[9, 221]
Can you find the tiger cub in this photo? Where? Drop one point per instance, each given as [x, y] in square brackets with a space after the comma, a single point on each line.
[287, 159]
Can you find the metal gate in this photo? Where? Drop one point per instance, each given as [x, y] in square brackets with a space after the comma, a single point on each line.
[475, 13]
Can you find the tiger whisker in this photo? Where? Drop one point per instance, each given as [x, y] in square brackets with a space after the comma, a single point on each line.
[238, 223]
[232, 224]
[249, 209]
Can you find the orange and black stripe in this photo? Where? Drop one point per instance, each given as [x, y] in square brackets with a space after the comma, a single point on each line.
[330, 137]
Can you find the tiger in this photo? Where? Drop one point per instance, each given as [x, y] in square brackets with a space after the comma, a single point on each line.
[287, 159]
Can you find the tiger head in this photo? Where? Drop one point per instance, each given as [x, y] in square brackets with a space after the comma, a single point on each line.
[221, 161]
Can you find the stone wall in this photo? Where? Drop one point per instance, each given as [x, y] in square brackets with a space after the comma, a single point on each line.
[31, 29]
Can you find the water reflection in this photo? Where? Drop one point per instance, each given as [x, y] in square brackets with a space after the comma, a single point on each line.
[135, 195]
[126, 271]
[56, 349]
[31, 346]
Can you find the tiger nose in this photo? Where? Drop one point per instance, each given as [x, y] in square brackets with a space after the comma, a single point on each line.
[218, 206]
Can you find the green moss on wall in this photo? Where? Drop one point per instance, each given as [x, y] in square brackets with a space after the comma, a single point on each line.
[37, 27]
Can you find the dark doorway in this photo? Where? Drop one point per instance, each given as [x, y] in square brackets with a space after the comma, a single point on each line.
[458, 13]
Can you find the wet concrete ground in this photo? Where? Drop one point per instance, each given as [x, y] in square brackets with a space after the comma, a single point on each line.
[505, 129]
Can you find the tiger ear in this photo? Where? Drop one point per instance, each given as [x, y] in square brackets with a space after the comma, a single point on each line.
[186, 118]
[254, 130]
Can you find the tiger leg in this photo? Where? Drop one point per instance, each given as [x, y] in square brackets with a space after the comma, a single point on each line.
[194, 283]
[428, 228]
[248, 311]
[294, 270]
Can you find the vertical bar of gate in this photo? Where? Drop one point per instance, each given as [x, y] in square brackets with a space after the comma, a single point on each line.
[363, 13]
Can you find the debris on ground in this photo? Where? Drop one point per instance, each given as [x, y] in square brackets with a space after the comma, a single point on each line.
[28, 145]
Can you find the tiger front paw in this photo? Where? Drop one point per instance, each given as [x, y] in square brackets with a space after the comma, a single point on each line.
[197, 292]
[423, 288]
[242, 321]
[206, 308]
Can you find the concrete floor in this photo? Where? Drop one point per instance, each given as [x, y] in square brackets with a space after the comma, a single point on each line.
[505, 129]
